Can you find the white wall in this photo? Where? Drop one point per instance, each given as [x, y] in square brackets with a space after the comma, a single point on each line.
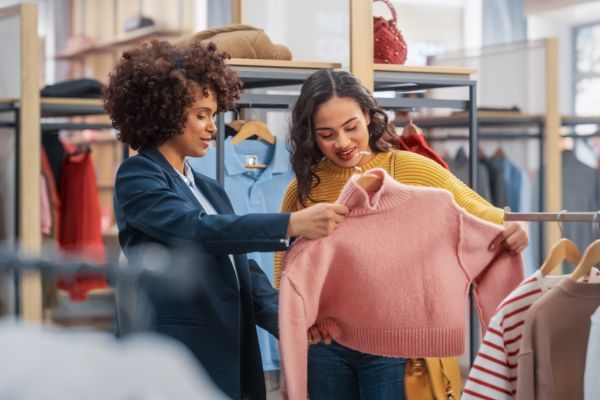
[558, 20]
[314, 30]
[540, 27]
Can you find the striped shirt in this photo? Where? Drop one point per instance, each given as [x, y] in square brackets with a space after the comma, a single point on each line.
[493, 375]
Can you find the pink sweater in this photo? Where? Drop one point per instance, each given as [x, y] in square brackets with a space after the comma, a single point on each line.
[393, 279]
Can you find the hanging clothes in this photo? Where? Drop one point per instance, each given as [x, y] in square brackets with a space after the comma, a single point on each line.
[257, 190]
[52, 193]
[459, 166]
[80, 233]
[45, 213]
[592, 360]
[497, 183]
[554, 344]
[493, 374]
[580, 192]
[440, 251]
[412, 140]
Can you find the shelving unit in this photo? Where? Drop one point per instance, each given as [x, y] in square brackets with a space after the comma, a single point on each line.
[138, 36]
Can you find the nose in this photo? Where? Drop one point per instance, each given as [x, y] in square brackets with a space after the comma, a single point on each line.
[343, 141]
[211, 127]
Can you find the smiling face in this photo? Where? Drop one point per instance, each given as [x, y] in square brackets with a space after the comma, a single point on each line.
[342, 134]
[199, 127]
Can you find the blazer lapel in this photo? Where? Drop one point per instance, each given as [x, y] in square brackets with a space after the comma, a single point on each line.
[156, 156]
[218, 202]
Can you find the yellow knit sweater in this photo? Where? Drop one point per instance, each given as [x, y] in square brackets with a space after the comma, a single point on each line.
[405, 167]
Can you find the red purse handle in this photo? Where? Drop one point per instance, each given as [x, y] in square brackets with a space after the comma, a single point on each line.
[391, 8]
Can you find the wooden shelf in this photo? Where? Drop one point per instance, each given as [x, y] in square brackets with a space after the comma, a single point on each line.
[425, 69]
[143, 34]
[250, 62]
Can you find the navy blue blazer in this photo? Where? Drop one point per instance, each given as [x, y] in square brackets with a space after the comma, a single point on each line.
[217, 322]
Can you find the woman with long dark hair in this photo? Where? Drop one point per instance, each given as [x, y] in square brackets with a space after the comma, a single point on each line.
[337, 129]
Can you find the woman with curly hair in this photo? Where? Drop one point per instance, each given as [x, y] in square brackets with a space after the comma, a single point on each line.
[337, 130]
[162, 100]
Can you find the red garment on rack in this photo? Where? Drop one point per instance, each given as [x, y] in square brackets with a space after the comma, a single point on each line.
[411, 139]
[52, 191]
[416, 143]
[80, 233]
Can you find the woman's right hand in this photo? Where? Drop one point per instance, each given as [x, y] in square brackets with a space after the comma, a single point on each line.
[316, 221]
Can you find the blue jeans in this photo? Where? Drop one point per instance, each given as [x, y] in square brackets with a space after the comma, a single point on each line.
[337, 372]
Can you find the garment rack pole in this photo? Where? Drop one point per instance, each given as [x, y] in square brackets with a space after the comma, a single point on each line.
[553, 217]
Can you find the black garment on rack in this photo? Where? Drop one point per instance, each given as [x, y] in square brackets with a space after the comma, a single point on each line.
[580, 192]
[54, 150]
[80, 88]
[459, 166]
[497, 184]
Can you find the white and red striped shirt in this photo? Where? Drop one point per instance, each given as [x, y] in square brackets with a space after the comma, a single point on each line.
[493, 375]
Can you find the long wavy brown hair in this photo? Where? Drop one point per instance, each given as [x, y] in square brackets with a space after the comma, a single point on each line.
[316, 90]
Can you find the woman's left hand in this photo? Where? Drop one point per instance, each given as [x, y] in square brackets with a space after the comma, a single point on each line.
[514, 238]
[316, 335]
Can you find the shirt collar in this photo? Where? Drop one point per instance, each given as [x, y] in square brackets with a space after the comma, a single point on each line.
[188, 175]
[280, 163]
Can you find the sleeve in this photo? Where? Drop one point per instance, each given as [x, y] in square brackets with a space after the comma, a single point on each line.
[293, 340]
[414, 169]
[288, 205]
[526, 364]
[265, 299]
[148, 203]
[490, 377]
[592, 361]
[493, 274]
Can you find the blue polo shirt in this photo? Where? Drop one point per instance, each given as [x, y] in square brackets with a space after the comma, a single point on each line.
[254, 191]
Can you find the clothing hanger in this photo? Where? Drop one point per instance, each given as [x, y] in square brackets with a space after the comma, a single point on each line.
[251, 128]
[246, 130]
[410, 128]
[564, 249]
[590, 258]
[370, 183]
[499, 152]
[236, 124]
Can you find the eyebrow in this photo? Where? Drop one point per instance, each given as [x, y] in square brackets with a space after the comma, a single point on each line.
[326, 128]
[203, 109]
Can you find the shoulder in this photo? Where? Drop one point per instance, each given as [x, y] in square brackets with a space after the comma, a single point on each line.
[415, 169]
[138, 165]
[410, 158]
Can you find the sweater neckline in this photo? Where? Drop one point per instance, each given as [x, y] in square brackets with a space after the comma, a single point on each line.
[580, 289]
[342, 172]
[391, 194]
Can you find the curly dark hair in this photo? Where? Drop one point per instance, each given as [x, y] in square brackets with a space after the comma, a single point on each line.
[152, 86]
[316, 90]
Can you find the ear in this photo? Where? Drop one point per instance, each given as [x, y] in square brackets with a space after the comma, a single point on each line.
[367, 117]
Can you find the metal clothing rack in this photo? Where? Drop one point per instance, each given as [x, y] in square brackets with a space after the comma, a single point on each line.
[553, 217]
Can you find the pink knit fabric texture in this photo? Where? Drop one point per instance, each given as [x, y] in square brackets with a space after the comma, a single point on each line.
[393, 279]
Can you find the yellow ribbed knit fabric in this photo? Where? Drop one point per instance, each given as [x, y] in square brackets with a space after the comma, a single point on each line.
[406, 167]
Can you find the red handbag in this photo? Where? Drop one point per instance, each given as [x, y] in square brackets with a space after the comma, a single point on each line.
[389, 45]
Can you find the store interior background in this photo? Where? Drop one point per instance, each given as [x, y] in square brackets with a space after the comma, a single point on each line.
[491, 36]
